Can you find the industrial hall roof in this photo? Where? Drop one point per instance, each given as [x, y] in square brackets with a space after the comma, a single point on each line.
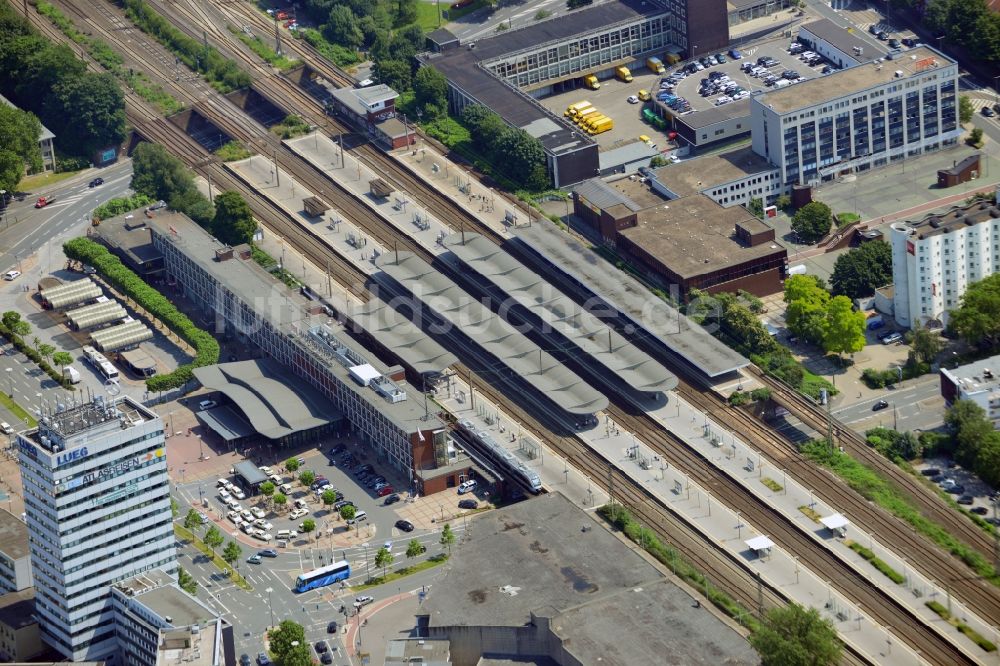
[402, 337]
[626, 294]
[492, 333]
[590, 334]
[274, 401]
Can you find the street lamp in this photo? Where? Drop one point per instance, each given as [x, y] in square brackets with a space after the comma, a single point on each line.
[269, 607]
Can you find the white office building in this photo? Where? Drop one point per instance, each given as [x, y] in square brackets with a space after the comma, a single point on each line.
[978, 382]
[936, 259]
[97, 500]
[858, 118]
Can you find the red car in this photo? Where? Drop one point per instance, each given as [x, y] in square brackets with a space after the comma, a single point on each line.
[386, 491]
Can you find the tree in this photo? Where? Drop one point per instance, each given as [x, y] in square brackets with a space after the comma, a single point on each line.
[19, 132]
[406, 12]
[812, 221]
[195, 205]
[783, 202]
[279, 499]
[187, 581]
[287, 640]
[657, 161]
[384, 559]
[36, 342]
[796, 636]
[45, 350]
[394, 73]
[267, 489]
[970, 426]
[807, 303]
[13, 322]
[965, 109]
[232, 552]
[192, 520]
[347, 512]
[756, 208]
[233, 223]
[860, 271]
[342, 28]
[447, 537]
[158, 174]
[329, 497]
[292, 464]
[521, 157]
[91, 109]
[213, 538]
[482, 123]
[307, 477]
[414, 548]
[844, 332]
[430, 91]
[926, 344]
[308, 525]
[976, 136]
[11, 170]
[977, 318]
[61, 358]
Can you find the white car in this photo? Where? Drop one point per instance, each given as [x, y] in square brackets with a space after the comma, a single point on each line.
[286, 488]
[257, 512]
[224, 495]
[233, 516]
[466, 486]
[239, 494]
[322, 489]
[11, 275]
[301, 504]
[276, 480]
[207, 404]
[266, 470]
[632, 99]
[222, 483]
[263, 524]
[298, 513]
[234, 505]
[247, 516]
[246, 527]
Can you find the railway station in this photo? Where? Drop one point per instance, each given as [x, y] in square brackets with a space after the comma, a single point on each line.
[520, 357]
[555, 311]
[568, 261]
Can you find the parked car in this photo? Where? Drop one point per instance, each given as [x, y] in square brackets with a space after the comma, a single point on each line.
[321, 647]
[11, 275]
[388, 490]
[988, 112]
[979, 510]
[467, 486]
[363, 600]
[263, 659]
[891, 338]
[326, 659]
[206, 404]
[967, 500]
[404, 525]
[930, 471]
[391, 499]
[244, 660]
[468, 504]
[331, 627]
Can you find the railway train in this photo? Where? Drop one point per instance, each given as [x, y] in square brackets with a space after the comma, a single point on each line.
[507, 461]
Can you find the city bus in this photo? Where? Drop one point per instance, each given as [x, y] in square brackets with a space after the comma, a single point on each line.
[323, 576]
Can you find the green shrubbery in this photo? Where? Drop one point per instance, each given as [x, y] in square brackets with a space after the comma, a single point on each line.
[224, 75]
[120, 206]
[156, 304]
[232, 151]
[738, 398]
[878, 563]
[36, 358]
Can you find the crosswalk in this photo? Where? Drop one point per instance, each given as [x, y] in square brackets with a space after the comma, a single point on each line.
[978, 104]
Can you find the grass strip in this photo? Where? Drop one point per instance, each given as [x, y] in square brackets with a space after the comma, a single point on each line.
[429, 563]
[265, 52]
[232, 152]
[17, 410]
[877, 562]
[184, 533]
[971, 633]
[620, 518]
[772, 484]
[874, 488]
[810, 513]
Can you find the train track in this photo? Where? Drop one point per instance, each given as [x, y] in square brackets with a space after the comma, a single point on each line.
[230, 122]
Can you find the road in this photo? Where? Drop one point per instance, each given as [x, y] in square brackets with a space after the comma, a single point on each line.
[25, 230]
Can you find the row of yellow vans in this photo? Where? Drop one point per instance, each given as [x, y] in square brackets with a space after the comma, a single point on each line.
[588, 118]
[623, 74]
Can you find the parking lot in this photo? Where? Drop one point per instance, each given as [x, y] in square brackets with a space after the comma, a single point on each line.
[612, 101]
[688, 88]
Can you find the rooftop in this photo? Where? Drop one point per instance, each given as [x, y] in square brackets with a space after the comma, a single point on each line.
[17, 609]
[590, 334]
[718, 114]
[957, 218]
[587, 582]
[535, 366]
[852, 80]
[13, 536]
[703, 173]
[694, 235]
[130, 234]
[626, 294]
[158, 592]
[286, 310]
[982, 376]
[55, 428]
[402, 337]
[843, 39]
[274, 400]
[599, 193]
[425, 651]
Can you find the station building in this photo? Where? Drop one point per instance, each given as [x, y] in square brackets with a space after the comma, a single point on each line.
[247, 302]
[97, 501]
[508, 72]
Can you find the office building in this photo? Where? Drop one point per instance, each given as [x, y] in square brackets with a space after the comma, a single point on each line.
[20, 638]
[45, 142]
[858, 118]
[936, 259]
[387, 413]
[97, 500]
[508, 72]
[978, 382]
[15, 557]
[159, 624]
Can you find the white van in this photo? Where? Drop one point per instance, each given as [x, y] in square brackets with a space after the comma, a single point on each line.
[285, 488]
[782, 83]
[466, 486]
[5, 427]
[286, 535]
[359, 517]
